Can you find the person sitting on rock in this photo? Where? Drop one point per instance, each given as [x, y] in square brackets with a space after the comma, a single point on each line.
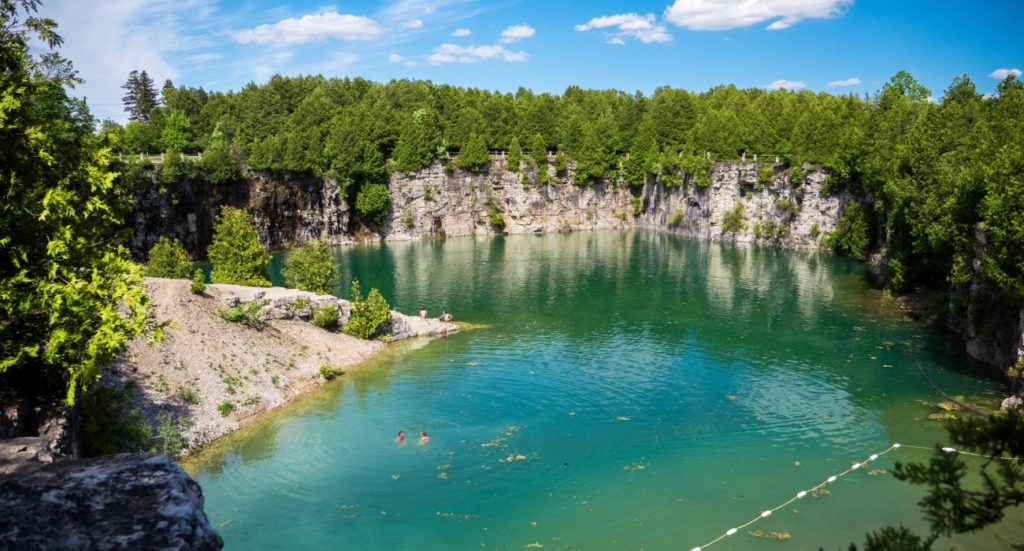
[423, 313]
[446, 317]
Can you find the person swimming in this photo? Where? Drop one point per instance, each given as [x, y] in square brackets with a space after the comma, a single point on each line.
[424, 438]
[401, 437]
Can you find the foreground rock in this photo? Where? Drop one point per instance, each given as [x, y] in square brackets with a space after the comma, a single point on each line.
[204, 376]
[114, 502]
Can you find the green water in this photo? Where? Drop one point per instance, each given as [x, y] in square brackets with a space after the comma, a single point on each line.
[651, 391]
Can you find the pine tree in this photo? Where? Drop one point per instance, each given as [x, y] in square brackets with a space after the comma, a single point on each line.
[140, 97]
[515, 155]
[311, 268]
[236, 253]
[473, 156]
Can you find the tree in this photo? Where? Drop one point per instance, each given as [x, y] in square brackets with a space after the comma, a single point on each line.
[417, 142]
[176, 133]
[217, 160]
[140, 96]
[69, 297]
[373, 201]
[168, 259]
[173, 168]
[311, 268]
[474, 156]
[851, 233]
[515, 155]
[236, 253]
[368, 314]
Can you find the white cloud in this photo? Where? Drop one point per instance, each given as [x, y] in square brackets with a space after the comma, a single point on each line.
[459, 33]
[414, 24]
[106, 40]
[782, 83]
[1003, 73]
[516, 32]
[852, 81]
[311, 28]
[720, 15]
[453, 53]
[395, 58]
[629, 25]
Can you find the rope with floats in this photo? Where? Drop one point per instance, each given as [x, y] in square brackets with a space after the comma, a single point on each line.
[856, 466]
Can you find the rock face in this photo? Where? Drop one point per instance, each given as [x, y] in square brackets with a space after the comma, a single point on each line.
[438, 202]
[121, 501]
[34, 432]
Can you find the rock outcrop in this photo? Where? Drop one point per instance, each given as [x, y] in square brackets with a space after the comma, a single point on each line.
[121, 501]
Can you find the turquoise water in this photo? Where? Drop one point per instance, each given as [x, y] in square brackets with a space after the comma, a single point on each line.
[631, 390]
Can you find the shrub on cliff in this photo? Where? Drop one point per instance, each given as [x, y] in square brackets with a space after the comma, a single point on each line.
[851, 233]
[368, 314]
[733, 221]
[173, 168]
[168, 259]
[474, 156]
[236, 253]
[373, 201]
[311, 268]
[326, 317]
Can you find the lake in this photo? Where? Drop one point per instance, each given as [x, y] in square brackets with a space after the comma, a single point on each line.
[620, 390]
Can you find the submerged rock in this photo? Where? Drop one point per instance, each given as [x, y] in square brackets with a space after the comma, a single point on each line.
[123, 501]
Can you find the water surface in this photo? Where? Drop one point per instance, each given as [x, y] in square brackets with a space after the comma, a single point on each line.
[632, 390]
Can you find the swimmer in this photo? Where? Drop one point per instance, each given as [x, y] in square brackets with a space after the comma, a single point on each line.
[423, 313]
[401, 437]
[424, 438]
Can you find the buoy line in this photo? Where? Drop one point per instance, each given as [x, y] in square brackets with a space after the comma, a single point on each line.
[803, 493]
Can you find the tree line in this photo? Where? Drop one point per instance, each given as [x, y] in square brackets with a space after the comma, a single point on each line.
[936, 170]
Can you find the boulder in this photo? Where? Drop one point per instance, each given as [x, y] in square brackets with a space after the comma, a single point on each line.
[124, 501]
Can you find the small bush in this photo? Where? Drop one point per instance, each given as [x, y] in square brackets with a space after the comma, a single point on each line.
[311, 268]
[638, 205]
[407, 217]
[326, 317]
[189, 395]
[244, 313]
[111, 423]
[372, 202]
[329, 372]
[851, 233]
[428, 193]
[236, 253]
[494, 215]
[733, 221]
[699, 168]
[274, 380]
[168, 259]
[676, 218]
[368, 315]
[168, 438]
[198, 284]
[225, 408]
[815, 231]
[765, 175]
[796, 175]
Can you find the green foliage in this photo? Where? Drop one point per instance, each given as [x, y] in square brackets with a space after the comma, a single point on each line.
[515, 155]
[168, 438]
[225, 408]
[474, 156]
[111, 423]
[895, 539]
[796, 175]
[494, 216]
[676, 218]
[69, 296]
[140, 96]
[173, 169]
[417, 141]
[698, 168]
[407, 221]
[373, 202]
[368, 314]
[561, 162]
[638, 204]
[539, 153]
[765, 175]
[218, 163]
[329, 372]
[815, 231]
[851, 233]
[176, 133]
[326, 317]
[168, 259]
[189, 395]
[236, 253]
[733, 221]
[310, 267]
[198, 283]
[244, 313]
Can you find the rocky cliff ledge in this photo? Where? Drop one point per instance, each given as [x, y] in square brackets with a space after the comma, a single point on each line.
[436, 201]
[114, 502]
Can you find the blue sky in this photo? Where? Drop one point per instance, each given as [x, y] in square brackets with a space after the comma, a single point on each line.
[840, 46]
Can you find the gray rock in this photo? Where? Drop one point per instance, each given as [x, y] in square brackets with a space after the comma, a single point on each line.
[123, 501]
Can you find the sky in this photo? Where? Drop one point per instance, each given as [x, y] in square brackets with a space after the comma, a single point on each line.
[838, 46]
